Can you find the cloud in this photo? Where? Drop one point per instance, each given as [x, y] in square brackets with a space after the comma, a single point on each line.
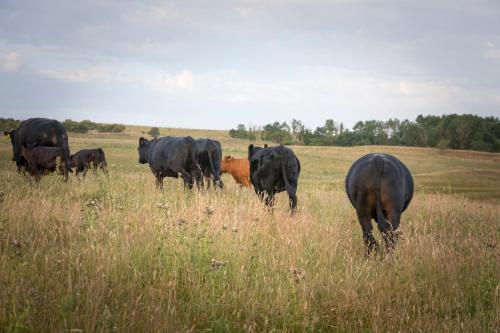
[492, 52]
[80, 75]
[173, 83]
[10, 62]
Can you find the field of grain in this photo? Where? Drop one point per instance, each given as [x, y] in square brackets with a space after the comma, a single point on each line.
[118, 255]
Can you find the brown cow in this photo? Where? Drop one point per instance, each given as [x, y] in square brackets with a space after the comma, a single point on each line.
[239, 168]
[43, 160]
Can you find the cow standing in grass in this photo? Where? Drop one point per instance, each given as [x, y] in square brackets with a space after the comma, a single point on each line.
[84, 159]
[274, 170]
[43, 160]
[170, 157]
[209, 160]
[379, 187]
[239, 168]
[38, 132]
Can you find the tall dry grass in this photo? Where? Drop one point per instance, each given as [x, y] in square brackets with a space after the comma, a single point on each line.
[118, 255]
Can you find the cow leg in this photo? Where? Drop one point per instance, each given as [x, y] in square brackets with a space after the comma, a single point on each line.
[389, 230]
[269, 199]
[292, 197]
[365, 221]
[81, 169]
[65, 171]
[38, 172]
[104, 168]
[218, 182]
[188, 181]
[159, 181]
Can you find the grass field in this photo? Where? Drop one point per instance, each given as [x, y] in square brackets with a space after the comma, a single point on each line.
[118, 255]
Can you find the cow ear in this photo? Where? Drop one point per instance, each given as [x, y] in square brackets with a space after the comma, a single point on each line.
[8, 133]
[141, 140]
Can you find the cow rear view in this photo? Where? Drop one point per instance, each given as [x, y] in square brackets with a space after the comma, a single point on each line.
[379, 187]
[274, 170]
[170, 157]
[209, 159]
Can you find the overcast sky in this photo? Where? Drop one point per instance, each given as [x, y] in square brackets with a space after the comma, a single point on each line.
[214, 64]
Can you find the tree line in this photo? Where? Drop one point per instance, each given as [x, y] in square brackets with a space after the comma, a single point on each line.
[452, 131]
[71, 126]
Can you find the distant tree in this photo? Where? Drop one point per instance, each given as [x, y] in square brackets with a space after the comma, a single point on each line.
[330, 128]
[154, 131]
[413, 134]
[341, 128]
[393, 132]
[75, 126]
[9, 123]
[277, 132]
[370, 132]
[113, 128]
[443, 145]
[241, 133]
[298, 129]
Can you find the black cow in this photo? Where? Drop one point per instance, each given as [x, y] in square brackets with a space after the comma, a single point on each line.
[38, 132]
[170, 156]
[43, 160]
[84, 159]
[274, 170]
[379, 187]
[209, 159]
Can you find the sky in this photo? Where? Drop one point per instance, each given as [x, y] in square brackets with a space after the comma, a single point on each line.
[215, 64]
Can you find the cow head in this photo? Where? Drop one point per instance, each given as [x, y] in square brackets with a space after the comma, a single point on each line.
[252, 149]
[225, 163]
[143, 150]
[72, 161]
[10, 135]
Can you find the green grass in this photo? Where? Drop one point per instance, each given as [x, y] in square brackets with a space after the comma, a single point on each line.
[118, 255]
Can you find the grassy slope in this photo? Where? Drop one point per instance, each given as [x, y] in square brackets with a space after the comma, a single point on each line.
[98, 255]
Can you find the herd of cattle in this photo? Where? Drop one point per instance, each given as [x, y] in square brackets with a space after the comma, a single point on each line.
[379, 186]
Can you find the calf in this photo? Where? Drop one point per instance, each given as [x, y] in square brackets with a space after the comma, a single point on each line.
[379, 187]
[170, 156]
[239, 168]
[274, 170]
[84, 159]
[42, 160]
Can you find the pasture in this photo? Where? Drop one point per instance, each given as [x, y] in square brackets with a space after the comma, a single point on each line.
[118, 255]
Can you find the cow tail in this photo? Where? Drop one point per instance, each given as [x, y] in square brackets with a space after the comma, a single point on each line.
[193, 152]
[103, 163]
[103, 159]
[284, 161]
[67, 155]
[211, 164]
[378, 173]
